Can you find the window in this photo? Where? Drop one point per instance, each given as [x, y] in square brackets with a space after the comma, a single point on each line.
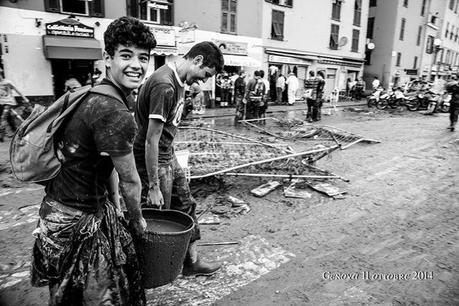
[229, 12]
[93, 8]
[455, 8]
[456, 35]
[415, 62]
[355, 40]
[451, 34]
[423, 7]
[402, 29]
[429, 44]
[357, 12]
[447, 30]
[399, 59]
[373, 3]
[159, 12]
[370, 27]
[405, 3]
[451, 4]
[277, 26]
[336, 10]
[418, 40]
[334, 34]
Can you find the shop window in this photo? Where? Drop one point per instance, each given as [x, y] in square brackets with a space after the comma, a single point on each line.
[373, 3]
[277, 26]
[357, 12]
[405, 3]
[336, 10]
[415, 62]
[429, 44]
[355, 40]
[229, 12]
[94, 8]
[370, 27]
[402, 29]
[423, 7]
[399, 59]
[159, 12]
[334, 34]
[418, 39]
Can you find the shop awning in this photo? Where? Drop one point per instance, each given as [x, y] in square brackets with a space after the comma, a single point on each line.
[243, 61]
[164, 51]
[61, 47]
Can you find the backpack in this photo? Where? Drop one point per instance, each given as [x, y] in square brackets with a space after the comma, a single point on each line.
[35, 154]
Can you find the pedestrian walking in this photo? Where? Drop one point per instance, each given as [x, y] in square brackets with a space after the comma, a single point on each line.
[453, 89]
[83, 251]
[292, 82]
[158, 113]
[254, 93]
[311, 86]
[239, 91]
[280, 87]
[320, 93]
[7, 104]
[264, 106]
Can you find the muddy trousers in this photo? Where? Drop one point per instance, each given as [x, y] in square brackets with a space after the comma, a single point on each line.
[313, 110]
[453, 114]
[175, 190]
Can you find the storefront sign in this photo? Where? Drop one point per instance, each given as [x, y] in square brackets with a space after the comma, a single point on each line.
[231, 47]
[69, 27]
[411, 71]
[288, 60]
[163, 36]
[156, 5]
[340, 63]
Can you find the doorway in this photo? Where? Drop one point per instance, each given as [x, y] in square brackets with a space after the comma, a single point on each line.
[63, 69]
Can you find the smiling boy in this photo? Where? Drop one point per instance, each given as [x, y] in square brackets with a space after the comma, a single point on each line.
[158, 113]
[83, 251]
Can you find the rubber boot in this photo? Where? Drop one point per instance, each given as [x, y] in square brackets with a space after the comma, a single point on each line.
[193, 266]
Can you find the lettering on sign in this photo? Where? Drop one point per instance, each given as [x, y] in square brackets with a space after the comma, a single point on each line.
[69, 27]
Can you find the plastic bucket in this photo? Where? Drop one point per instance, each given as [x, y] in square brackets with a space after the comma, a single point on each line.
[162, 249]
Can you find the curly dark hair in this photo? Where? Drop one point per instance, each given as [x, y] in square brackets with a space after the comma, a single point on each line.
[213, 57]
[128, 31]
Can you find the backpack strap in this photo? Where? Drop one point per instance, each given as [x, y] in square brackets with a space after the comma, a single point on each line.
[109, 91]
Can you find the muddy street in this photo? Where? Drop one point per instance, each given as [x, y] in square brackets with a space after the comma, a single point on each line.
[392, 239]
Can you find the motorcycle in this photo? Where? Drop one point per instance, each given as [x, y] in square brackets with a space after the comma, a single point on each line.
[373, 99]
[392, 99]
[444, 104]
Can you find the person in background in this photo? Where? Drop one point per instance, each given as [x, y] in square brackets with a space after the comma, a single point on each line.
[320, 93]
[311, 86]
[83, 250]
[239, 91]
[254, 96]
[158, 114]
[71, 84]
[376, 83]
[7, 104]
[280, 87]
[453, 88]
[197, 99]
[292, 82]
[264, 107]
[359, 89]
[226, 86]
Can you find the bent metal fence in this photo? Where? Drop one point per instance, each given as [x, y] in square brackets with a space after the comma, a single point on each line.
[311, 135]
[213, 152]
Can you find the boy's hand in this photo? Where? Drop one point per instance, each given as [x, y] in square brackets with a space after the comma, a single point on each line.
[139, 225]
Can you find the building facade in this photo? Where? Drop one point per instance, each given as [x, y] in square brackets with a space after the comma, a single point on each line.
[412, 39]
[297, 36]
[44, 42]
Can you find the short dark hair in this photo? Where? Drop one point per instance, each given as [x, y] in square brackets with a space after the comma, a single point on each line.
[262, 73]
[321, 73]
[128, 31]
[212, 55]
[256, 73]
[312, 73]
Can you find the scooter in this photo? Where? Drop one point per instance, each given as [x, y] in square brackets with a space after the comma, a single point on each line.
[373, 99]
[444, 104]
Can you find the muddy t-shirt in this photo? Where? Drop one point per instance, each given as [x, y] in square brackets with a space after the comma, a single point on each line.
[101, 127]
[161, 98]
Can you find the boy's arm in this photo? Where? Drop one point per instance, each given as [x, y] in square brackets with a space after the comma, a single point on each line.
[155, 129]
[113, 190]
